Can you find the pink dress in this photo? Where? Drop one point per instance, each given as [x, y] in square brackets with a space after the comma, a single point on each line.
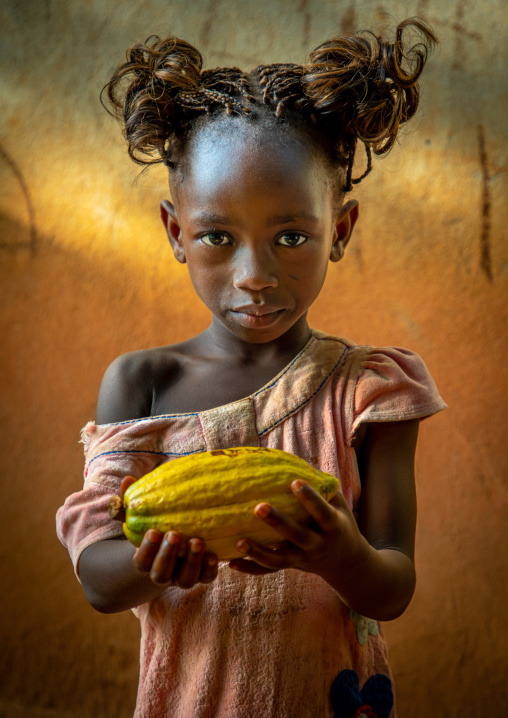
[259, 646]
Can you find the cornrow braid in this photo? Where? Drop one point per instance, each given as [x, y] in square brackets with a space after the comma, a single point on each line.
[281, 84]
[229, 79]
[203, 100]
[218, 88]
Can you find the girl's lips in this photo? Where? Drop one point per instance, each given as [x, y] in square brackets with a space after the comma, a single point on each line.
[256, 320]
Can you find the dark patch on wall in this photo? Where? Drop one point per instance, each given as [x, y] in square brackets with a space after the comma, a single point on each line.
[485, 235]
[461, 33]
[207, 25]
[7, 240]
[303, 8]
[348, 22]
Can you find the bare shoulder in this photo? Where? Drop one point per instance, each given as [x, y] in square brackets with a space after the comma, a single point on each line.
[128, 385]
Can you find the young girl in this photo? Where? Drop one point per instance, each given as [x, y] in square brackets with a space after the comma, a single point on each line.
[260, 166]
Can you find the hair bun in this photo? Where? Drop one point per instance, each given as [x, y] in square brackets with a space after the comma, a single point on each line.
[172, 62]
[366, 86]
[143, 88]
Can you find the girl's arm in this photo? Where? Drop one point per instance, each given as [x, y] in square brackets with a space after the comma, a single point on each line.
[116, 576]
[369, 563]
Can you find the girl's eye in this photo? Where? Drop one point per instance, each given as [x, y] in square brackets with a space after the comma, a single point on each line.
[215, 239]
[292, 239]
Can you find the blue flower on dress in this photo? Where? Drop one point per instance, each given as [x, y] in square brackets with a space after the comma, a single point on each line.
[375, 700]
[364, 627]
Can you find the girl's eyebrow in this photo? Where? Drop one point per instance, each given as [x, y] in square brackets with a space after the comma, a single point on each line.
[211, 218]
[287, 218]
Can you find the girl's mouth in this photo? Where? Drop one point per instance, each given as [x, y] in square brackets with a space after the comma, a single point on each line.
[256, 317]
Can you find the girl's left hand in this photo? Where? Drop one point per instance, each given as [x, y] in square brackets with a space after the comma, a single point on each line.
[332, 543]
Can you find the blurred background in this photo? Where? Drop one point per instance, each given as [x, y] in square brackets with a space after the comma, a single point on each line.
[87, 274]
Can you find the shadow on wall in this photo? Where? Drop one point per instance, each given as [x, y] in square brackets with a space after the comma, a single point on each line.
[64, 315]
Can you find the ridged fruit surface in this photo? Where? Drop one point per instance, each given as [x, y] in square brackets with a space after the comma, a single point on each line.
[212, 495]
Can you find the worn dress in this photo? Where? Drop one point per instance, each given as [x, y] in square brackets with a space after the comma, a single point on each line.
[251, 646]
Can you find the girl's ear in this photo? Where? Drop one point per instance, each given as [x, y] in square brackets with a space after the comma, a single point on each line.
[343, 229]
[173, 230]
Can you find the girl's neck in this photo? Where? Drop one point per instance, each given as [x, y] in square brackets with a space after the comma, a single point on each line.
[221, 342]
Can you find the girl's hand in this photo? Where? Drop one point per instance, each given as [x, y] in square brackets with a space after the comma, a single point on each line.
[370, 563]
[158, 557]
[331, 544]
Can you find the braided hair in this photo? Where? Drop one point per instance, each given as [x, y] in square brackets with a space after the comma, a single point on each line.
[353, 89]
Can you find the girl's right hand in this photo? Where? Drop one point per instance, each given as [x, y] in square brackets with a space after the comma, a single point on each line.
[158, 557]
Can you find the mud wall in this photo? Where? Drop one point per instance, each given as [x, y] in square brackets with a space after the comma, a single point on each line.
[87, 275]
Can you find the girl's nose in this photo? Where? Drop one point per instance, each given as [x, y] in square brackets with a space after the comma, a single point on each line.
[255, 271]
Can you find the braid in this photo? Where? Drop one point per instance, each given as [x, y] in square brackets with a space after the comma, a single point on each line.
[348, 186]
[218, 88]
[230, 79]
[281, 84]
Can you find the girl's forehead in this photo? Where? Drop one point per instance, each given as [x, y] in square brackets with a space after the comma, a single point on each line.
[232, 156]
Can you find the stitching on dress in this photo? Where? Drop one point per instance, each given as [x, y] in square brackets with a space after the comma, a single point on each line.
[148, 418]
[279, 421]
[141, 451]
[269, 386]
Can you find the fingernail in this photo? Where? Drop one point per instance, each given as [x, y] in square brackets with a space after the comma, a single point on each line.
[152, 536]
[195, 546]
[173, 538]
[262, 510]
[298, 485]
[243, 546]
[211, 560]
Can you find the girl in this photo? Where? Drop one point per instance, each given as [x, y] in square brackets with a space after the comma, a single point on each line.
[260, 167]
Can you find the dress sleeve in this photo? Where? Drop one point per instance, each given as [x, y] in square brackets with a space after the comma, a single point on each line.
[84, 519]
[393, 384]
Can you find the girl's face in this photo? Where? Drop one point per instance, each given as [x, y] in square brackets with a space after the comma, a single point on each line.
[256, 222]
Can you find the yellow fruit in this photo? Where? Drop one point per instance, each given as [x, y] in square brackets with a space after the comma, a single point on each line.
[212, 495]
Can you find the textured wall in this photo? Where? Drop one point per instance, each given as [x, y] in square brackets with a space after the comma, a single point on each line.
[87, 274]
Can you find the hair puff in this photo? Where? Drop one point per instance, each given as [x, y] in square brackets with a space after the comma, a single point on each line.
[366, 86]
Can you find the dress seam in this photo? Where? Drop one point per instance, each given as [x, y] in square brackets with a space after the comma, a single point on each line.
[289, 366]
[141, 451]
[306, 401]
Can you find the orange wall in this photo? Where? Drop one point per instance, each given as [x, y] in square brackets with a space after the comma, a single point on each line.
[87, 274]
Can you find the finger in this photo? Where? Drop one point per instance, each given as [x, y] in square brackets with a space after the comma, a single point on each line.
[288, 528]
[275, 559]
[209, 568]
[166, 558]
[126, 482]
[191, 567]
[321, 511]
[145, 554]
[339, 501]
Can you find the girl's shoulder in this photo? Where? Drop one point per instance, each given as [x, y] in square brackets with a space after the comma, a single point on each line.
[130, 383]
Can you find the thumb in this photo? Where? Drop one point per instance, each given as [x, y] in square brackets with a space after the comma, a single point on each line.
[126, 482]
